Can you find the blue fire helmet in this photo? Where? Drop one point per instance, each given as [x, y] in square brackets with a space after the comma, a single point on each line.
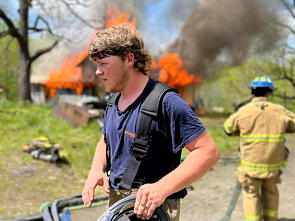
[263, 81]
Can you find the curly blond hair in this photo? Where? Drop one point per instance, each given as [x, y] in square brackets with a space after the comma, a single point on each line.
[119, 41]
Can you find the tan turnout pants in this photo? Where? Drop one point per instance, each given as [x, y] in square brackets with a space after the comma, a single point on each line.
[260, 198]
[172, 206]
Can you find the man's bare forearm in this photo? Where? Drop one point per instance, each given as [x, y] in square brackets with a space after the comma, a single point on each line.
[99, 161]
[204, 154]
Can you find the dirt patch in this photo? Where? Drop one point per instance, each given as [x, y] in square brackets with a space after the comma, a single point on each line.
[211, 195]
[208, 201]
[24, 187]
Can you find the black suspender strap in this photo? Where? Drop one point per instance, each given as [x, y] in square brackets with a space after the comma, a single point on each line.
[139, 149]
[110, 103]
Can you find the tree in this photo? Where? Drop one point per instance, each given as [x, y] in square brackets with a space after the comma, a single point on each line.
[8, 64]
[283, 66]
[21, 29]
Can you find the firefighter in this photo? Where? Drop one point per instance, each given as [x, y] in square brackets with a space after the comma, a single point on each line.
[261, 126]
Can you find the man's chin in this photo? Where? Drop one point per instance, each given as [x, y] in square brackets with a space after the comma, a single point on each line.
[111, 90]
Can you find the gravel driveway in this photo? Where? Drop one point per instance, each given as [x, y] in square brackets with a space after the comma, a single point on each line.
[212, 193]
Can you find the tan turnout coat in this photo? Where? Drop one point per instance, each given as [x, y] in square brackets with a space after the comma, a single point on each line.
[261, 126]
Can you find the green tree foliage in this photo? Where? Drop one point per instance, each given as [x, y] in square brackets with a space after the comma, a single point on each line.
[32, 18]
[230, 86]
[283, 75]
[9, 65]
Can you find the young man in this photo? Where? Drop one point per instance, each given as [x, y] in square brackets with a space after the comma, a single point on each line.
[123, 65]
[261, 126]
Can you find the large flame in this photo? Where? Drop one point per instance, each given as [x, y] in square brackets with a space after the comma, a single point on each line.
[117, 18]
[69, 76]
[173, 73]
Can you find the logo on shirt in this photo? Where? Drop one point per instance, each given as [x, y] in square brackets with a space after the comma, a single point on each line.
[133, 135]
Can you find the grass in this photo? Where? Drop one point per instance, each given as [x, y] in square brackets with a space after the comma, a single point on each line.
[214, 124]
[23, 122]
[23, 191]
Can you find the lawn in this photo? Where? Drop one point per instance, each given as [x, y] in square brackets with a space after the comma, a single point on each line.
[26, 183]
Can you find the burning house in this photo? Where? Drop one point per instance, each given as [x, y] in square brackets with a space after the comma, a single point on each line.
[76, 76]
[173, 73]
[77, 73]
[211, 31]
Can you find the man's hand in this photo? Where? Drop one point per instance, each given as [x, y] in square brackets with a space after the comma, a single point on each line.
[92, 181]
[148, 198]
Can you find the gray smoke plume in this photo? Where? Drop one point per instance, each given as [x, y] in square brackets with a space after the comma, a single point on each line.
[229, 27]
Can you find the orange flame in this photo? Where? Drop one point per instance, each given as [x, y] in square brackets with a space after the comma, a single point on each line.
[154, 64]
[117, 18]
[174, 74]
[70, 74]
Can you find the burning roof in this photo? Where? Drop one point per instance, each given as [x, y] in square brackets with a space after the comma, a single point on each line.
[70, 75]
[170, 67]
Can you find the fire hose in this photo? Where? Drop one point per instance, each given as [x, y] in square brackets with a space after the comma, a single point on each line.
[237, 190]
[233, 202]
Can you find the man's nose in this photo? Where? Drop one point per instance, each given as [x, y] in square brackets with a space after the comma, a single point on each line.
[98, 72]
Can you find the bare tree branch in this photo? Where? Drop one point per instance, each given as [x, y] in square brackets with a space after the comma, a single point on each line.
[86, 22]
[81, 3]
[291, 49]
[286, 27]
[11, 28]
[4, 33]
[77, 2]
[42, 51]
[21, 31]
[39, 18]
[288, 7]
[39, 3]
[37, 29]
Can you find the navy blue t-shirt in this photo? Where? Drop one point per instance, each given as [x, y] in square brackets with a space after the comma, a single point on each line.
[177, 126]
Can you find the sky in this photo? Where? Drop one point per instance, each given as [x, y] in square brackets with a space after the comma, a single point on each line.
[162, 22]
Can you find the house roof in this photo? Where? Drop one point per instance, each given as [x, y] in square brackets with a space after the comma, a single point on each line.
[38, 78]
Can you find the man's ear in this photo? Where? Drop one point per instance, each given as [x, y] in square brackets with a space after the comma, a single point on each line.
[130, 59]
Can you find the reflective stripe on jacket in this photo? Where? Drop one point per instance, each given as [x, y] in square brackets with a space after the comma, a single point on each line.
[261, 126]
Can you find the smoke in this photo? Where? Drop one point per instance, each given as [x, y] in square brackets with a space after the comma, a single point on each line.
[228, 27]
[158, 22]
